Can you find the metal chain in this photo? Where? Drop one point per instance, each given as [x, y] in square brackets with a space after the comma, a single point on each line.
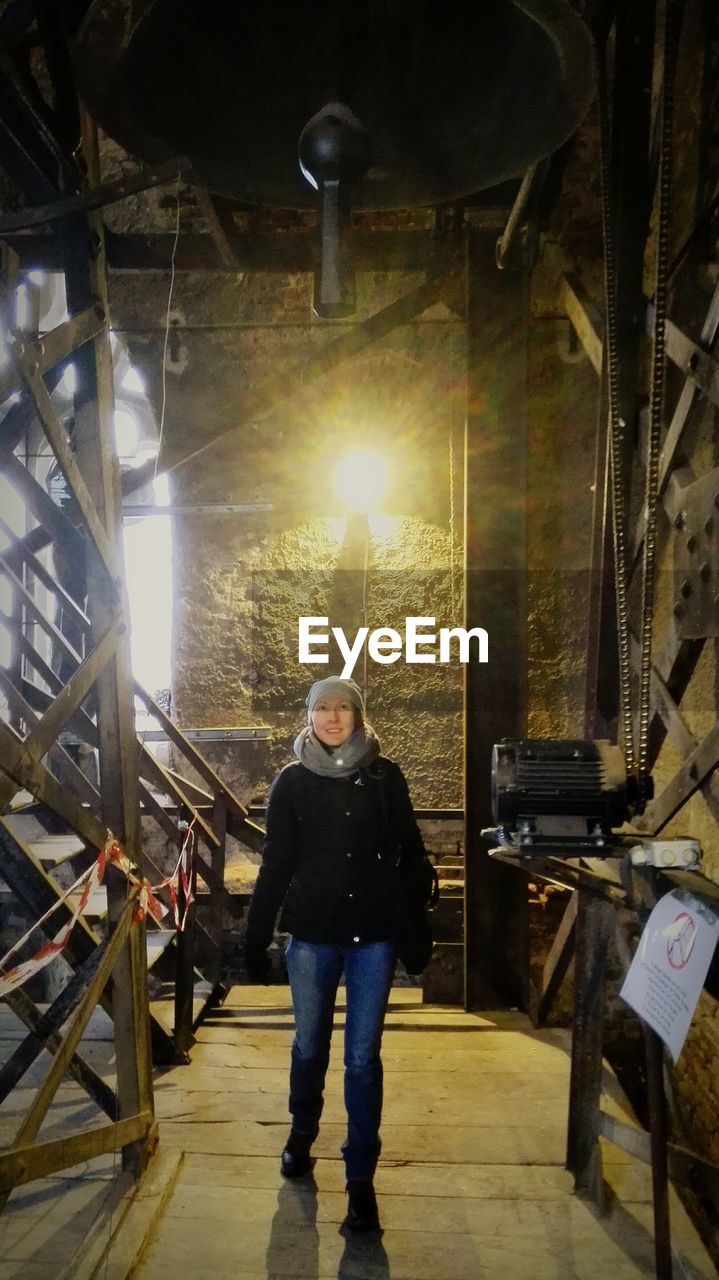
[658, 385]
[616, 423]
[617, 426]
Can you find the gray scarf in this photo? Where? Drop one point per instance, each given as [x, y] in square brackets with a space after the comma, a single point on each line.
[360, 749]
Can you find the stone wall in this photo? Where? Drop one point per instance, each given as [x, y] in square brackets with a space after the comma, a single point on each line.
[242, 579]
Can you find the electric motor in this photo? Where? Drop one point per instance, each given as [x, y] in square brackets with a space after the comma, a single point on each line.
[559, 788]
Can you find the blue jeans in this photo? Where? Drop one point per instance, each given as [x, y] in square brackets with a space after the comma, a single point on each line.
[314, 971]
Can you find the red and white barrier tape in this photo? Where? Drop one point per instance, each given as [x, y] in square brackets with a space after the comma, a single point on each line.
[77, 898]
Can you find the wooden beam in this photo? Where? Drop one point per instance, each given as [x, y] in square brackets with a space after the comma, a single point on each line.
[19, 554]
[158, 774]
[700, 366]
[62, 341]
[688, 778]
[49, 1024]
[98, 197]
[37, 892]
[286, 251]
[106, 955]
[63, 763]
[219, 226]
[73, 694]
[683, 410]
[57, 439]
[252, 833]
[80, 1070]
[54, 520]
[80, 721]
[25, 1164]
[294, 381]
[584, 317]
[684, 1166]
[675, 662]
[594, 928]
[495, 896]
[665, 707]
[36, 779]
[561, 954]
[54, 633]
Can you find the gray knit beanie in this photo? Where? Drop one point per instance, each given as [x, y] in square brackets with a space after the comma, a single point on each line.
[335, 685]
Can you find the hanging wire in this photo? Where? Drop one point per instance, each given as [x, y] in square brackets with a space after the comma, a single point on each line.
[166, 342]
[658, 381]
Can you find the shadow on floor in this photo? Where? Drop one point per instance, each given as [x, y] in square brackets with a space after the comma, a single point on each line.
[294, 1243]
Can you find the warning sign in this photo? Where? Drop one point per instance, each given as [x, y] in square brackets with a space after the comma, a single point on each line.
[680, 942]
[670, 965]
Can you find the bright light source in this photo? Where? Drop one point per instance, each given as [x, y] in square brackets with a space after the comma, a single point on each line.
[127, 432]
[360, 479]
[148, 569]
[12, 506]
[67, 386]
[5, 648]
[132, 381]
[145, 450]
[161, 490]
[22, 307]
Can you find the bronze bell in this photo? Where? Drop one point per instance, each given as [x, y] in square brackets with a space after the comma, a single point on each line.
[453, 96]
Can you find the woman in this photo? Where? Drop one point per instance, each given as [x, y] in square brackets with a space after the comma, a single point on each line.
[337, 820]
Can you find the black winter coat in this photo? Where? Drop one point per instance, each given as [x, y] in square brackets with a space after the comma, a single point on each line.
[330, 855]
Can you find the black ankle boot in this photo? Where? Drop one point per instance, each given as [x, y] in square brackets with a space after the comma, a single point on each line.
[295, 1159]
[362, 1212]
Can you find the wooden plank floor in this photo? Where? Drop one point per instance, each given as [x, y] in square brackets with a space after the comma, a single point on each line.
[471, 1182]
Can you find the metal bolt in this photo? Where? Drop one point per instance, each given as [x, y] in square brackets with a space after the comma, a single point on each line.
[691, 542]
[678, 609]
[705, 572]
[686, 588]
[679, 519]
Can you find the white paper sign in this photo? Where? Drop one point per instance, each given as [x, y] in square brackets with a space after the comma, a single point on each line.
[670, 965]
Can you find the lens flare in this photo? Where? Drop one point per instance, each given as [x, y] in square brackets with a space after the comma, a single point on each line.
[360, 480]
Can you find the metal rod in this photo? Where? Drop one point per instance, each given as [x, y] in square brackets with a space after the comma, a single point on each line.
[504, 243]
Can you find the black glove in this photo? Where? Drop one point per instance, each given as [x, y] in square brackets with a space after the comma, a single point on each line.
[257, 962]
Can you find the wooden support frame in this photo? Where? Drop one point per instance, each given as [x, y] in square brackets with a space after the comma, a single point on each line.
[597, 926]
[62, 763]
[393, 249]
[296, 378]
[496, 900]
[42, 354]
[93, 527]
[557, 964]
[80, 1070]
[251, 832]
[594, 928]
[16, 1164]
